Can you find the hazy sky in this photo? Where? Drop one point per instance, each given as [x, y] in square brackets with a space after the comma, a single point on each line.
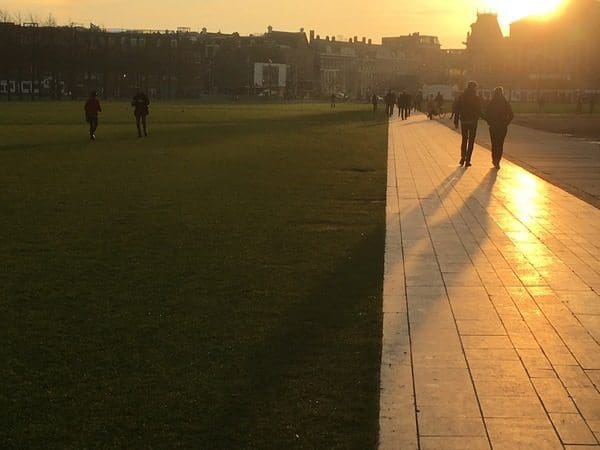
[448, 19]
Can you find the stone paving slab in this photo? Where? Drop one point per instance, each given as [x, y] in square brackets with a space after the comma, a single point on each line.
[491, 303]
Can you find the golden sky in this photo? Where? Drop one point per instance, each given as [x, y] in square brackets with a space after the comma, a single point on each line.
[448, 19]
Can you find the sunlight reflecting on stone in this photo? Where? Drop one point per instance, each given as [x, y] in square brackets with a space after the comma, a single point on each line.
[527, 197]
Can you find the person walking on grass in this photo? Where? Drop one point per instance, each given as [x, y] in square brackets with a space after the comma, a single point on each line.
[141, 103]
[332, 100]
[92, 108]
[374, 101]
[468, 111]
[498, 115]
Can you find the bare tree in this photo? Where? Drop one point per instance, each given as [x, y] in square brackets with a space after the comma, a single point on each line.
[49, 21]
[33, 18]
[5, 16]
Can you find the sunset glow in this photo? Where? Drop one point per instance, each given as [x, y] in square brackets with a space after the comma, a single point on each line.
[512, 10]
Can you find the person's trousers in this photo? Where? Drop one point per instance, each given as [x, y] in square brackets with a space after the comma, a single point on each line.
[497, 136]
[140, 119]
[93, 121]
[389, 110]
[407, 111]
[468, 130]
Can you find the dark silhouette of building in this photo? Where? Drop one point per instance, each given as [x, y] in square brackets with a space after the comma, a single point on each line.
[486, 51]
[423, 54]
[71, 61]
[357, 68]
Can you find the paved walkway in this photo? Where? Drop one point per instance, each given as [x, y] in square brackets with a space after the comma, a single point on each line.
[491, 303]
[571, 163]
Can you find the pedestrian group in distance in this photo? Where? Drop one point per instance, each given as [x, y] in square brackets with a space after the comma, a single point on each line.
[141, 108]
[467, 109]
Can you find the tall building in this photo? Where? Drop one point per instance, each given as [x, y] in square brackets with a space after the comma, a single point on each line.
[423, 54]
[486, 51]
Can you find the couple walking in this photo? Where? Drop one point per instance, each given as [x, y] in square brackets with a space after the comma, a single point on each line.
[498, 115]
[140, 103]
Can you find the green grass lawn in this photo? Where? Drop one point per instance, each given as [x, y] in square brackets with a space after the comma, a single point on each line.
[215, 285]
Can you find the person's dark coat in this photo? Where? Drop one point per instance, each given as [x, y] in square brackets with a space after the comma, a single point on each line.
[92, 107]
[140, 103]
[390, 99]
[468, 108]
[499, 113]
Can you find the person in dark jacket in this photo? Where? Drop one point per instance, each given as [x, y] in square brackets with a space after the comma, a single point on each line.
[407, 104]
[140, 103]
[92, 108]
[404, 104]
[499, 115]
[390, 101]
[468, 112]
[374, 101]
[419, 101]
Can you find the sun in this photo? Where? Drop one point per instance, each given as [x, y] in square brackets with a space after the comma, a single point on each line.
[511, 10]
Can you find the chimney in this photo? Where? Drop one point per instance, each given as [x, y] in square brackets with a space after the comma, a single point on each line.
[350, 40]
[364, 40]
[370, 41]
[301, 30]
[312, 35]
[332, 38]
[269, 29]
[318, 37]
[355, 38]
[326, 38]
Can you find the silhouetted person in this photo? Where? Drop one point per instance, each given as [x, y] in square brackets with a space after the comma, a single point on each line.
[374, 101]
[499, 115]
[140, 103]
[407, 104]
[579, 107]
[92, 108]
[468, 111]
[439, 101]
[454, 106]
[404, 103]
[419, 101]
[431, 107]
[592, 103]
[390, 101]
[333, 100]
[541, 103]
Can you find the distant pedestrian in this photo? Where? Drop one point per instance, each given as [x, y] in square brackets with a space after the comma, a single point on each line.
[333, 100]
[579, 107]
[499, 115]
[407, 104]
[468, 112]
[374, 101]
[454, 106]
[141, 103]
[431, 107]
[92, 108]
[404, 103]
[419, 101]
[541, 103]
[390, 101]
[439, 101]
[592, 103]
